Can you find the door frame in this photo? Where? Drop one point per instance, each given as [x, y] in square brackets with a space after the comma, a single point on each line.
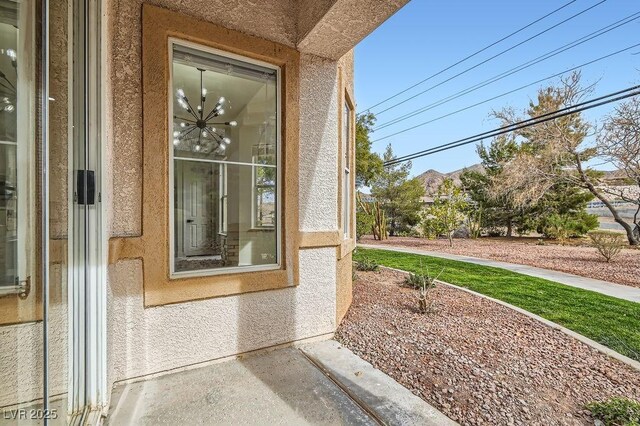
[91, 330]
[87, 390]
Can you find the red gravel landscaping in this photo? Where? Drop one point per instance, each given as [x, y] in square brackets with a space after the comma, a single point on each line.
[579, 260]
[477, 361]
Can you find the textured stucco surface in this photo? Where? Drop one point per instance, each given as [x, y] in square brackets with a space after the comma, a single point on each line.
[345, 24]
[318, 143]
[310, 12]
[344, 286]
[144, 341]
[21, 358]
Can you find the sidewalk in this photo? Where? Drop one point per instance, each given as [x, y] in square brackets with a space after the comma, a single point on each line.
[604, 287]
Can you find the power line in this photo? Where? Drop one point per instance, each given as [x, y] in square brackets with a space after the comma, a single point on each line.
[513, 70]
[472, 55]
[528, 120]
[573, 109]
[491, 58]
[507, 93]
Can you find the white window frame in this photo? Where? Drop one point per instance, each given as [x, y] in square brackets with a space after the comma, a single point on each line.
[173, 274]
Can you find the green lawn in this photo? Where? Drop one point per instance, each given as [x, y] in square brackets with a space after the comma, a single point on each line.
[613, 322]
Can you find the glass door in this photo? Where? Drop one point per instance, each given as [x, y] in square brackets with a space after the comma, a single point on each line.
[49, 208]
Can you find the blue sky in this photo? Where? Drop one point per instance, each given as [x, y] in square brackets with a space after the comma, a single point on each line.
[426, 36]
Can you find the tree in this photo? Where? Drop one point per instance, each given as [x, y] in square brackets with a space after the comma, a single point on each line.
[368, 164]
[555, 153]
[486, 191]
[448, 208]
[398, 195]
[619, 144]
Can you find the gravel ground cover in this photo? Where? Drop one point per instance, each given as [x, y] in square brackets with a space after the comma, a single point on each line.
[477, 361]
[579, 260]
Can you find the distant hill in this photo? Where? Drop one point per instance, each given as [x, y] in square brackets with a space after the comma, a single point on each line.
[431, 179]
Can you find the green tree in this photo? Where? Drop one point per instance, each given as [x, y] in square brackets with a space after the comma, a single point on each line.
[447, 211]
[546, 176]
[484, 187]
[368, 164]
[399, 195]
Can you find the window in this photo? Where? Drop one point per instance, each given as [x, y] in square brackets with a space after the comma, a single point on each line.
[16, 147]
[346, 178]
[225, 162]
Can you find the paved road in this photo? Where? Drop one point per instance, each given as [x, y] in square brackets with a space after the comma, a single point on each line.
[610, 289]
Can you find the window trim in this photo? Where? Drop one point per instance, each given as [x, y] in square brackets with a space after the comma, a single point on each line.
[347, 243]
[158, 24]
[172, 42]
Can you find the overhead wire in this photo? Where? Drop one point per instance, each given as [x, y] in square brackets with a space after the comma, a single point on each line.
[523, 66]
[553, 115]
[506, 93]
[473, 54]
[490, 58]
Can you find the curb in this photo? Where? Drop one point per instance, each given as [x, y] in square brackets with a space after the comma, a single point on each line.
[386, 400]
[592, 343]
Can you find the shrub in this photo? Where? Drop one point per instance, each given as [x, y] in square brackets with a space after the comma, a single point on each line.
[419, 280]
[608, 243]
[366, 264]
[564, 226]
[423, 283]
[616, 412]
[364, 223]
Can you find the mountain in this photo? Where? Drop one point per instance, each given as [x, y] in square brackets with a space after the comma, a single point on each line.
[431, 179]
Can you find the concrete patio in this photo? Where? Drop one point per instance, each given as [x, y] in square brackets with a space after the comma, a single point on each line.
[318, 383]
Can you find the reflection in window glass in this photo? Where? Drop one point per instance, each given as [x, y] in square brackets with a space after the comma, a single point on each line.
[225, 163]
[9, 275]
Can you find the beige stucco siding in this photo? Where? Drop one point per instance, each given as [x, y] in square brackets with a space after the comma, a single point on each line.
[150, 340]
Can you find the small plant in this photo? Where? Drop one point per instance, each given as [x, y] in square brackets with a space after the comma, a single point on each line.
[616, 412]
[608, 243]
[366, 265]
[541, 242]
[424, 283]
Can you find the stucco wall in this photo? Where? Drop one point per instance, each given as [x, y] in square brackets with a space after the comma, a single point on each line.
[318, 144]
[145, 341]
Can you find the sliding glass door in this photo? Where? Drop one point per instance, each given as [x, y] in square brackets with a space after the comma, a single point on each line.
[49, 212]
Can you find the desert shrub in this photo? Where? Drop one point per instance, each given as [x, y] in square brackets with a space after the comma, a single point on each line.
[424, 283]
[366, 264]
[616, 412]
[431, 228]
[419, 280]
[608, 243]
[408, 233]
[495, 232]
[561, 227]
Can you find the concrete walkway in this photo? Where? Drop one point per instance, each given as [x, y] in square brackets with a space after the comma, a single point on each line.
[604, 287]
[318, 383]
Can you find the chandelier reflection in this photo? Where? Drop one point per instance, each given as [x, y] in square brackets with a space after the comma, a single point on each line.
[197, 131]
